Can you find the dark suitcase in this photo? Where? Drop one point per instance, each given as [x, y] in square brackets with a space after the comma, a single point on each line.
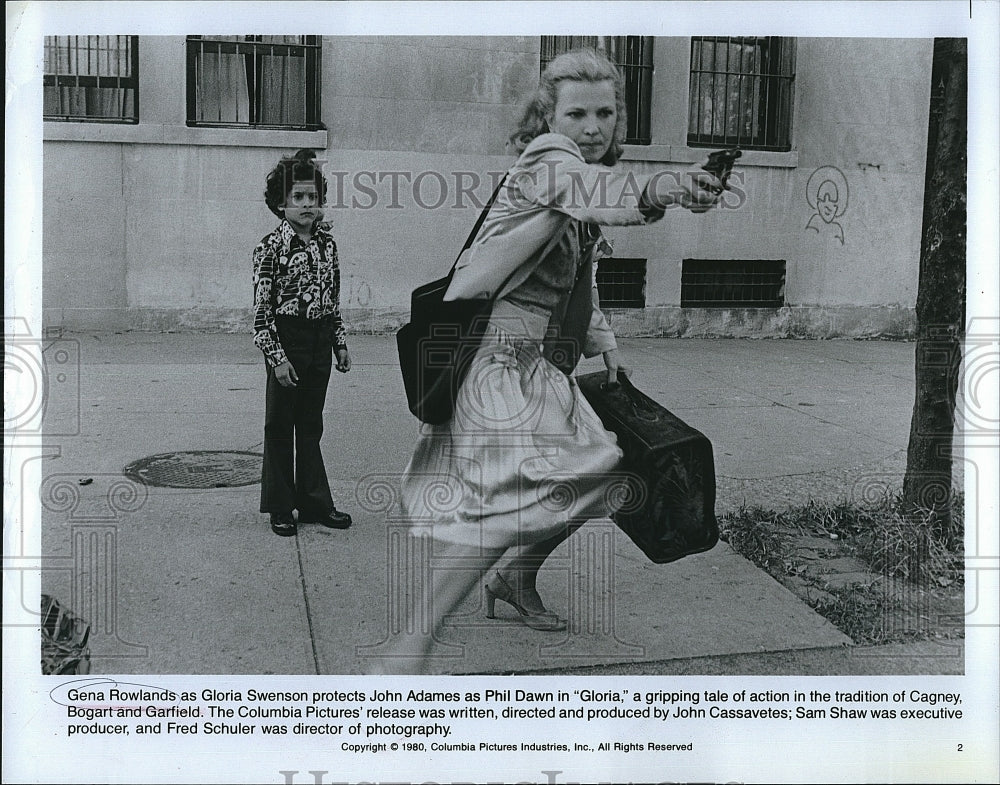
[669, 510]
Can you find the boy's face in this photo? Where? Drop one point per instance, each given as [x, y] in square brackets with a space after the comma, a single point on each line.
[302, 206]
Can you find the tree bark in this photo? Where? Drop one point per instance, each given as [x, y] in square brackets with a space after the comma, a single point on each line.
[941, 291]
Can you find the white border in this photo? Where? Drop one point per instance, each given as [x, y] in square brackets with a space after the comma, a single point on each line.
[855, 754]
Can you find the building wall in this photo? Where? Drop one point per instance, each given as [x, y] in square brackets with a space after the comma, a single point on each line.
[151, 226]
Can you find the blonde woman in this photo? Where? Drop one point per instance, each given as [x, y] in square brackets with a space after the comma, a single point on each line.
[524, 459]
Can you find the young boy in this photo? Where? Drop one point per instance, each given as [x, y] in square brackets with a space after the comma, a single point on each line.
[297, 325]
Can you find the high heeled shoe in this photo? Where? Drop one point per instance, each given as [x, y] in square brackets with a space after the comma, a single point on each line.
[496, 588]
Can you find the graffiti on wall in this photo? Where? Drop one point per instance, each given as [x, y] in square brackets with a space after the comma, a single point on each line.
[827, 194]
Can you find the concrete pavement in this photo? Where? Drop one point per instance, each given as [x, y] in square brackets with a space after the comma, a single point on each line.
[193, 581]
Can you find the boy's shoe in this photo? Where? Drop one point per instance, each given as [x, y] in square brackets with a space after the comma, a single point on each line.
[283, 524]
[332, 520]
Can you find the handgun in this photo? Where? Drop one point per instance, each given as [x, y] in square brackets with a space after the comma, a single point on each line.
[720, 163]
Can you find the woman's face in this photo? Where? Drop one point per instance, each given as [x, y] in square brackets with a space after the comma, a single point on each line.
[585, 112]
[302, 205]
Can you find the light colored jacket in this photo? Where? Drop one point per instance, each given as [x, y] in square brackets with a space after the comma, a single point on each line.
[548, 187]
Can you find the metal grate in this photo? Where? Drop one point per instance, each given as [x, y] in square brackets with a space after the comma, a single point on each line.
[91, 78]
[741, 92]
[633, 54]
[254, 81]
[733, 283]
[197, 469]
[621, 283]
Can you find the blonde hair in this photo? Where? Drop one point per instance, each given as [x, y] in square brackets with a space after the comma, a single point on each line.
[579, 65]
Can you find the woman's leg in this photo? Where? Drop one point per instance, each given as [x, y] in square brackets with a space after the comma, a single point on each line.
[438, 576]
[520, 568]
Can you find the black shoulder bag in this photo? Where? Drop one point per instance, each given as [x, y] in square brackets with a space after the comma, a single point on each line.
[437, 345]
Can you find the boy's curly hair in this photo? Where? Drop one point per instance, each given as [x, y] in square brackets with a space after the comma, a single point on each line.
[299, 168]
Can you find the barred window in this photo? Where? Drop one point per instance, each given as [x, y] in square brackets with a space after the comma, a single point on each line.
[91, 78]
[732, 283]
[621, 283]
[254, 81]
[741, 93]
[633, 54]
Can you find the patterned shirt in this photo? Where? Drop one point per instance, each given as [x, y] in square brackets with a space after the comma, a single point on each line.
[293, 278]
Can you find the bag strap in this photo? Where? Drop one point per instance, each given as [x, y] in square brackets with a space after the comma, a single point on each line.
[479, 223]
[549, 245]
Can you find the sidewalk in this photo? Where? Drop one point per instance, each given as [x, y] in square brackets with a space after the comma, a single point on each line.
[193, 581]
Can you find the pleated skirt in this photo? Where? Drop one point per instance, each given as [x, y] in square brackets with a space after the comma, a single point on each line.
[524, 453]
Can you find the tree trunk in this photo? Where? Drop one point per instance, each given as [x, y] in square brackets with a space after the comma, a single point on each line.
[941, 290]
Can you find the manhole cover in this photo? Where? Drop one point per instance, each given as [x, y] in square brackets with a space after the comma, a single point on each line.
[197, 469]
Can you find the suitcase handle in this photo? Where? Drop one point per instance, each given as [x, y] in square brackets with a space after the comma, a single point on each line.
[625, 390]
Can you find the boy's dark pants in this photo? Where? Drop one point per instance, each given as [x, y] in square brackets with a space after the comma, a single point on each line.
[308, 344]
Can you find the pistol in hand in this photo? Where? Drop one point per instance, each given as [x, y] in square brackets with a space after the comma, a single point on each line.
[720, 163]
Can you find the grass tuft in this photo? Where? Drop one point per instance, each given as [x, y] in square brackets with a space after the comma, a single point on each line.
[906, 544]
[754, 534]
[861, 612]
[902, 547]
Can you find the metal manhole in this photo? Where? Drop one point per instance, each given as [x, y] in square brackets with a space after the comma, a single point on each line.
[197, 469]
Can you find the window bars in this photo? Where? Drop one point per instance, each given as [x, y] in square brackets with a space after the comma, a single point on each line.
[621, 283]
[633, 54]
[733, 283]
[91, 78]
[254, 81]
[741, 92]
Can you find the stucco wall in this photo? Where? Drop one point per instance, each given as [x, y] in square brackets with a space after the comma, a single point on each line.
[443, 95]
[84, 254]
[861, 107]
[151, 226]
